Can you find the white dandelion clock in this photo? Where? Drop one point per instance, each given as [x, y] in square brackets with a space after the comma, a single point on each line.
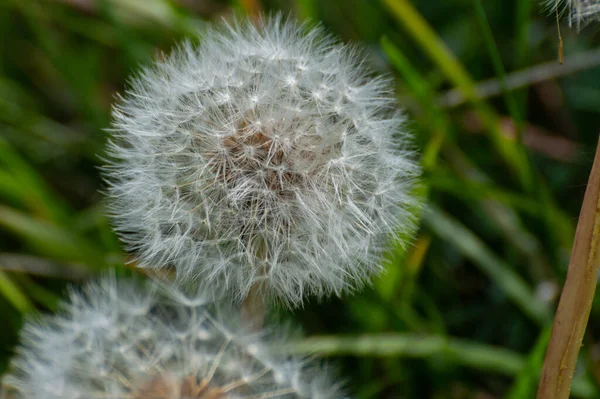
[125, 340]
[580, 11]
[264, 156]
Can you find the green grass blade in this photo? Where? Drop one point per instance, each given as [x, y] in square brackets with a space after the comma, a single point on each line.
[437, 50]
[422, 90]
[41, 295]
[27, 184]
[494, 54]
[13, 294]
[498, 271]
[525, 385]
[51, 239]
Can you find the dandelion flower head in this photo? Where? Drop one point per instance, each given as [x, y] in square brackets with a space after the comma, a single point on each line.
[580, 11]
[128, 340]
[265, 155]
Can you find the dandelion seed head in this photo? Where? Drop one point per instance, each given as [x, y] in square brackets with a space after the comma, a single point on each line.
[265, 155]
[580, 12]
[173, 350]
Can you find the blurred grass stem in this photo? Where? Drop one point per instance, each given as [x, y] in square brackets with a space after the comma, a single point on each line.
[526, 77]
[414, 346]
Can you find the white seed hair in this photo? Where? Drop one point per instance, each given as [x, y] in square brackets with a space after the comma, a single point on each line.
[580, 12]
[133, 340]
[265, 155]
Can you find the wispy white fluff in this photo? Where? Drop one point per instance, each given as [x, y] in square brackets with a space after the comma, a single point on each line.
[125, 340]
[264, 155]
[580, 12]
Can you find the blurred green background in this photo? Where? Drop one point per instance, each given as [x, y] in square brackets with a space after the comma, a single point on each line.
[507, 137]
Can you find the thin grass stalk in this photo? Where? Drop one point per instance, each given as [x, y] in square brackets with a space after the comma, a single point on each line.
[577, 296]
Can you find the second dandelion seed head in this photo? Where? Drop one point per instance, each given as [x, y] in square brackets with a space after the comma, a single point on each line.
[126, 339]
[266, 155]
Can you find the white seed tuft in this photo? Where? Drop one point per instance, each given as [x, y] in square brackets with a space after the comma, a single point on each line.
[102, 346]
[265, 155]
[580, 12]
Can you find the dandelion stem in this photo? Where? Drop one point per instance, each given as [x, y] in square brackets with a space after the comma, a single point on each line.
[253, 308]
[577, 296]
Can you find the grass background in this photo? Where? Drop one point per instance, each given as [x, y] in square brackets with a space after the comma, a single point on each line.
[507, 137]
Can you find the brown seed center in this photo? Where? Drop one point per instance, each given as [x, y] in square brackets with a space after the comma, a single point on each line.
[170, 387]
[254, 152]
